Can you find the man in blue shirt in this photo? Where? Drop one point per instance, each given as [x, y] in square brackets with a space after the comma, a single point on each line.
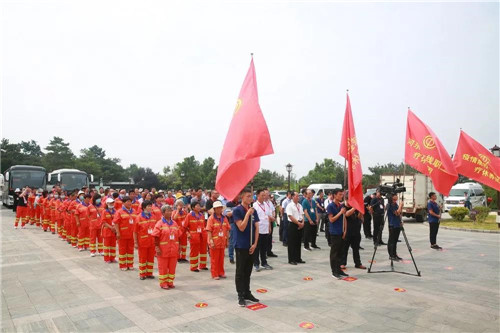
[311, 220]
[337, 230]
[395, 223]
[242, 216]
[434, 217]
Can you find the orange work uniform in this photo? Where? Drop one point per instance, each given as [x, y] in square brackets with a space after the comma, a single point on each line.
[178, 216]
[144, 225]
[219, 227]
[125, 220]
[83, 213]
[96, 243]
[21, 211]
[72, 222]
[109, 235]
[53, 207]
[194, 224]
[136, 205]
[167, 234]
[31, 208]
[118, 204]
[156, 212]
[38, 211]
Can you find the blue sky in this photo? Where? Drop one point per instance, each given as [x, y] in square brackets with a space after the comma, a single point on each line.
[152, 81]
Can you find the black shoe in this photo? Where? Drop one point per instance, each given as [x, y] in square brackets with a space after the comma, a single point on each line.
[195, 270]
[301, 261]
[150, 277]
[361, 248]
[292, 263]
[316, 247]
[382, 243]
[142, 278]
[399, 241]
[321, 230]
[285, 244]
[399, 257]
[241, 302]
[338, 277]
[368, 237]
[343, 274]
[231, 261]
[394, 258]
[272, 255]
[205, 268]
[251, 298]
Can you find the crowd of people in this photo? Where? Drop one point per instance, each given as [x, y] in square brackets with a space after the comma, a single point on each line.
[161, 224]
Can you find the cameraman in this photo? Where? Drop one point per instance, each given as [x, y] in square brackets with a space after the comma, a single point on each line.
[377, 205]
[395, 223]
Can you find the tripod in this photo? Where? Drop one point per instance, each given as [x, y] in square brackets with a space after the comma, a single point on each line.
[392, 261]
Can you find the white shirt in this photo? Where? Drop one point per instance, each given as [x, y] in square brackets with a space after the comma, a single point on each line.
[285, 202]
[270, 208]
[263, 211]
[327, 202]
[295, 210]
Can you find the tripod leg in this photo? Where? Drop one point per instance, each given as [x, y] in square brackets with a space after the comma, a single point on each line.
[409, 249]
[376, 246]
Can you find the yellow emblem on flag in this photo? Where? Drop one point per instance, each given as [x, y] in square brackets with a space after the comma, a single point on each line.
[429, 142]
[238, 106]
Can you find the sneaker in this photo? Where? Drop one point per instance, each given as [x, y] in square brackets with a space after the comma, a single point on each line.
[130, 268]
[123, 269]
[231, 261]
[195, 270]
[301, 261]
[307, 249]
[216, 278]
[268, 267]
[338, 277]
[343, 274]
[272, 255]
[80, 250]
[164, 287]
[316, 247]
[257, 268]
[241, 302]
[205, 268]
[251, 298]
[92, 254]
[292, 263]
[142, 278]
[15, 227]
[73, 246]
[150, 277]
[101, 254]
[223, 276]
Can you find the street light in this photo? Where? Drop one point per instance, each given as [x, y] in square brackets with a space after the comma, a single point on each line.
[182, 179]
[289, 168]
[496, 152]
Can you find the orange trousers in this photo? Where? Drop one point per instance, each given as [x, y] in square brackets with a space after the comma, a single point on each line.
[20, 216]
[183, 246]
[146, 260]
[126, 253]
[194, 254]
[166, 271]
[217, 262]
[109, 248]
[38, 215]
[203, 250]
[83, 237]
[96, 241]
[74, 232]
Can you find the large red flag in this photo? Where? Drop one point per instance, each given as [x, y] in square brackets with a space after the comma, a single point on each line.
[476, 162]
[427, 154]
[349, 150]
[247, 140]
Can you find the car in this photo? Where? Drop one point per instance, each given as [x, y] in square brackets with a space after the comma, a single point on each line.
[456, 198]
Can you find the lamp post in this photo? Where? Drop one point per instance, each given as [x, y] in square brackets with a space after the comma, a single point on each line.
[496, 152]
[182, 180]
[289, 168]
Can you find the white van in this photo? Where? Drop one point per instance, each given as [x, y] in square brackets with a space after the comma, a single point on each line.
[324, 187]
[456, 198]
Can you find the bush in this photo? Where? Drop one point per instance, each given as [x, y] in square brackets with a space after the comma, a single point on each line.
[458, 213]
[482, 213]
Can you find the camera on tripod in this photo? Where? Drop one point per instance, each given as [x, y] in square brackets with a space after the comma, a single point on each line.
[394, 188]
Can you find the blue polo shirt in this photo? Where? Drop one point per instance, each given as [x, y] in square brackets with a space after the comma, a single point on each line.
[243, 237]
[306, 205]
[335, 228]
[435, 208]
[394, 220]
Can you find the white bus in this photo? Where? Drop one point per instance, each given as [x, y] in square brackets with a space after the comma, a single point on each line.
[69, 179]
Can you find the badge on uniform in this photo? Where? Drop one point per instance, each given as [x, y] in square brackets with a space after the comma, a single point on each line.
[312, 210]
[172, 237]
[131, 221]
[221, 234]
[198, 230]
[150, 231]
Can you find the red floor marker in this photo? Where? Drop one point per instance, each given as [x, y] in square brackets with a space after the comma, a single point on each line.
[372, 261]
[262, 291]
[350, 279]
[400, 290]
[482, 255]
[306, 325]
[256, 306]
[406, 261]
[201, 305]
[307, 278]
[449, 268]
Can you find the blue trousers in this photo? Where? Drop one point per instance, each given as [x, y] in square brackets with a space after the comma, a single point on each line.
[232, 240]
[285, 229]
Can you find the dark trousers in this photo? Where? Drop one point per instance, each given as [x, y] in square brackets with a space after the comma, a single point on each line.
[322, 221]
[244, 263]
[434, 227]
[353, 242]
[269, 248]
[284, 229]
[310, 233]
[327, 235]
[367, 225]
[378, 227]
[393, 241]
[294, 237]
[336, 253]
[261, 250]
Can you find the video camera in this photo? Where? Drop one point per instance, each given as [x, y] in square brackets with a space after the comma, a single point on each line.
[395, 188]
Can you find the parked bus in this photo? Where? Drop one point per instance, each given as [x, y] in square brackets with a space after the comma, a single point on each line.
[69, 179]
[19, 176]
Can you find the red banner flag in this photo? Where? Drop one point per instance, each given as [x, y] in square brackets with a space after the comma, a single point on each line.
[247, 140]
[476, 162]
[349, 150]
[426, 154]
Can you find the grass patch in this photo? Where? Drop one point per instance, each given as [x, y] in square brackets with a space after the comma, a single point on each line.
[489, 224]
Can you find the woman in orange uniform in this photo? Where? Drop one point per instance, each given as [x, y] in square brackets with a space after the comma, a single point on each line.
[144, 240]
[178, 216]
[166, 233]
[194, 224]
[95, 209]
[217, 228]
[31, 207]
[82, 218]
[124, 225]
[109, 232]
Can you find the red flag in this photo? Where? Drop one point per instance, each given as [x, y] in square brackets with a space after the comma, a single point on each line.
[426, 153]
[476, 162]
[349, 150]
[247, 140]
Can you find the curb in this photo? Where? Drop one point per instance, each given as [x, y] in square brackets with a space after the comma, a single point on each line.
[469, 230]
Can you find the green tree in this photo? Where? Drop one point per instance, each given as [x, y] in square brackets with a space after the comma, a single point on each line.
[329, 171]
[58, 156]
[11, 154]
[373, 179]
[268, 179]
[190, 167]
[32, 152]
[208, 173]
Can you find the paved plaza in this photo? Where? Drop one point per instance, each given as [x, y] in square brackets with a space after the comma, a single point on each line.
[47, 286]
